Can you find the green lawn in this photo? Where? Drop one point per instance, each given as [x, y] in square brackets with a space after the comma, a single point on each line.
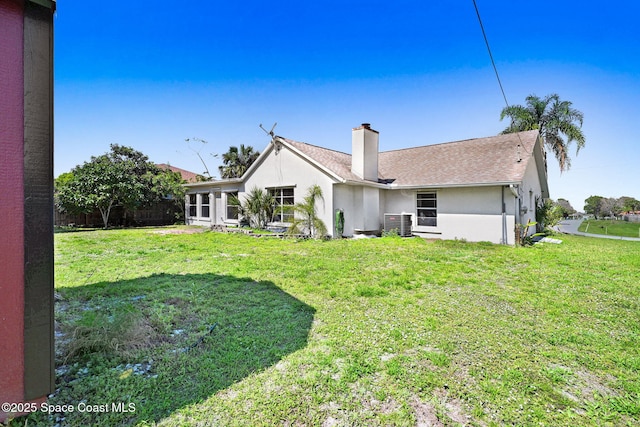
[346, 332]
[611, 227]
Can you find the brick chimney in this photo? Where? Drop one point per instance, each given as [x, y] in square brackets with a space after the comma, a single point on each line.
[364, 152]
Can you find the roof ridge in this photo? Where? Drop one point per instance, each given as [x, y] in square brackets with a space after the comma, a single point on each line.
[455, 142]
[317, 146]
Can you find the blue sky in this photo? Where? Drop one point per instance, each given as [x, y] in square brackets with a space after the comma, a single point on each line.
[151, 74]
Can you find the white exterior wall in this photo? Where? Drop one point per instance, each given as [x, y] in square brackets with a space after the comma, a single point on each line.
[475, 214]
[371, 209]
[287, 169]
[221, 211]
[471, 213]
[217, 204]
[362, 208]
[529, 191]
[199, 219]
[364, 153]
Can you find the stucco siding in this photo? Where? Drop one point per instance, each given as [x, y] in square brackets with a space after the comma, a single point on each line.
[288, 169]
[350, 199]
[473, 213]
[476, 227]
[530, 191]
[199, 219]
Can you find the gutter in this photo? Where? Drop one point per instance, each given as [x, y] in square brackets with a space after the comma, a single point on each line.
[515, 191]
[504, 218]
[216, 183]
[445, 185]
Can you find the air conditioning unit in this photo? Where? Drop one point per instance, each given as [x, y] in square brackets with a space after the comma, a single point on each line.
[400, 222]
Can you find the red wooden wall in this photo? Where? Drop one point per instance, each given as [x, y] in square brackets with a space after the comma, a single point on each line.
[11, 202]
[26, 201]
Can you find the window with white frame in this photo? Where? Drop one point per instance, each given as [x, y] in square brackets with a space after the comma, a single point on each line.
[205, 205]
[427, 209]
[193, 206]
[283, 204]
[232, 210]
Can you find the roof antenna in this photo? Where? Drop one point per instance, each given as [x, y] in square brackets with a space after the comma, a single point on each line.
[271, 131]
[274, 141]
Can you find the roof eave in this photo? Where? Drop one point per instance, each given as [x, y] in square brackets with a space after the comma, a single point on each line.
[217, 183]
[452, 185]
[315, 163]
[538, 150]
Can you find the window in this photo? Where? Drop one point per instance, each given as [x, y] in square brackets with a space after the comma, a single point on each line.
[204, 206]
[282, 208]
[427, 209]
[193, 208]
[232, 210]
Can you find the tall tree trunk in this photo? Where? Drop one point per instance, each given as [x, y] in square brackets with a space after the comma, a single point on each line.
[105, 214]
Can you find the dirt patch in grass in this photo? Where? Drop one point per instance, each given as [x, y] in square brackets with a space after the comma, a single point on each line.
[426, 415]
[447, 409]
[584, 388]
[179, 231]
[454, 408]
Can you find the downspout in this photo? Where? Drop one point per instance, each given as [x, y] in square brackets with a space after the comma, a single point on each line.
[504, 219]
[516, 202]
[514, 190]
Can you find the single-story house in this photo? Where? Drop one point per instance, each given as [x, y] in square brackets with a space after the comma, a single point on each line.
[476, 189]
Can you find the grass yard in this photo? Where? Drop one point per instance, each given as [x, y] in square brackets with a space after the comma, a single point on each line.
[611, 227]
[215, 329]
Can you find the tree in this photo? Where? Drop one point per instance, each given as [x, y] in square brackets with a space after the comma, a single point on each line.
[62, 180]
[629, 204]
[170, 184]
[592, 205]
[257, 207]
[553, 118]
[548, 214]
[610, 207]
[122, 176]
[237, 161]
[565, 208]
[307, 221]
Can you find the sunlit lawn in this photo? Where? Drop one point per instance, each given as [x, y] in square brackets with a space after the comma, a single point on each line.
[611, 227]
[234, 330]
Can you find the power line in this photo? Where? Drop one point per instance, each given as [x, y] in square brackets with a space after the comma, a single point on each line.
[486, 41]
[495, 69]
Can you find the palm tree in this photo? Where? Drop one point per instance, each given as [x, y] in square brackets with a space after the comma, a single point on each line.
[237, 161]
[257, 207]
[553, 118]
[308, 222]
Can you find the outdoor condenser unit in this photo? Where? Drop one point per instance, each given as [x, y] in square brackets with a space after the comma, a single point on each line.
[400, 222]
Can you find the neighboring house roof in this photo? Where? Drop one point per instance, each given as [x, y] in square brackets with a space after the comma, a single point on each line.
[477, 161]
[188, 176]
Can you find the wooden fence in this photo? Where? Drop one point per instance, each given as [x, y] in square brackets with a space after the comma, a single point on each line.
[162, 213]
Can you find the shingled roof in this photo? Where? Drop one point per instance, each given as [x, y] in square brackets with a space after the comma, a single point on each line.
[188, 176]
[479, 161]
